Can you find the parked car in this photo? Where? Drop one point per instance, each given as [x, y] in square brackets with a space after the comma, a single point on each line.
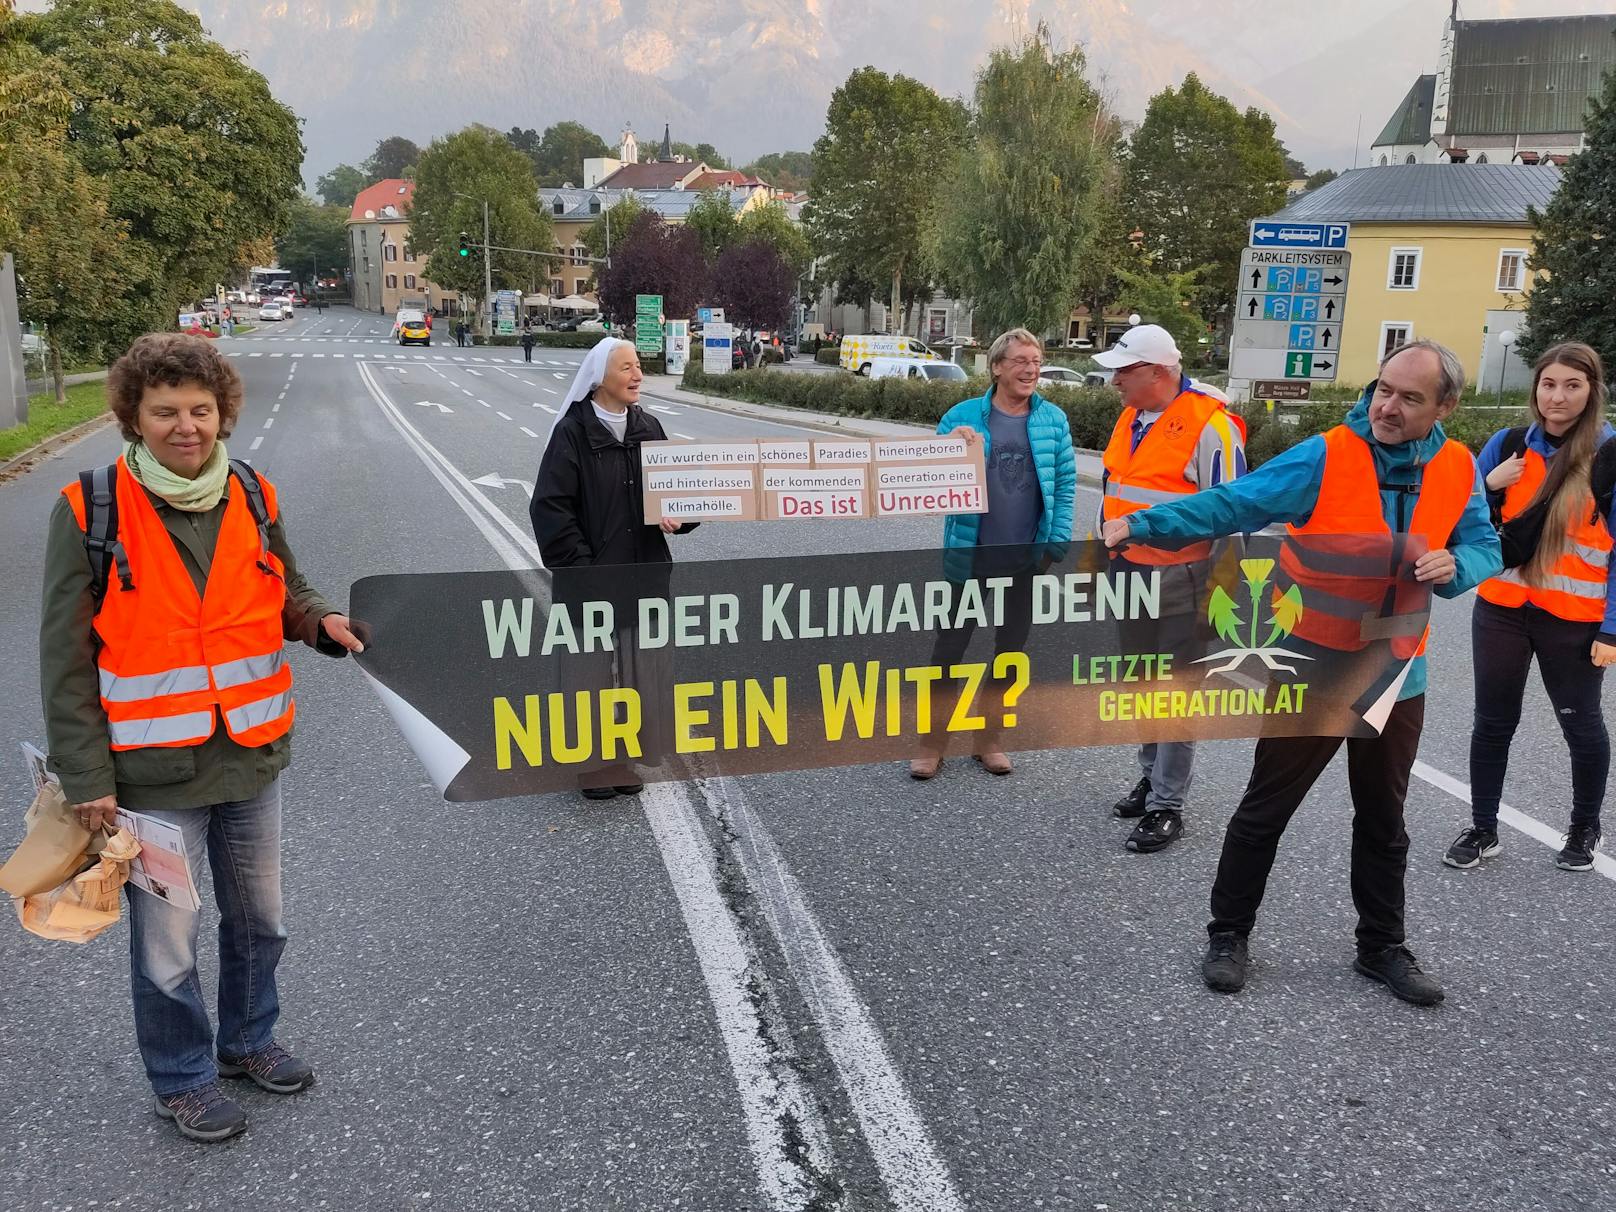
[859, 350]
[33, 343]
[915, 368]
[1060, 376]
[272, 311]
[593, 324]
[415, 330]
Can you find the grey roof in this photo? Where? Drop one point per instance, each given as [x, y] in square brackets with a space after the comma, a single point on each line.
[1528, 75]
[1428, 193]
[585, 204]
[1411, 123]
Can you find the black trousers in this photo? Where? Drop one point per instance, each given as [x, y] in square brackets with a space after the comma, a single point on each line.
[1284, 771]
[1504, 640]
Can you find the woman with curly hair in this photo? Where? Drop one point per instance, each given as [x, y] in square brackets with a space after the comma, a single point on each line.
[169, 592]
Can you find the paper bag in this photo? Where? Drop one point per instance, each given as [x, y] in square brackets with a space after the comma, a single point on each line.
[87, 904]
[55, 849]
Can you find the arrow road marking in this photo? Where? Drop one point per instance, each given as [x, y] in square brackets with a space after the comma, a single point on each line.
[433, 404]
[497, 481]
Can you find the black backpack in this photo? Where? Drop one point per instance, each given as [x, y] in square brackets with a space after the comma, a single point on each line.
[1603, 479]
[100, 488]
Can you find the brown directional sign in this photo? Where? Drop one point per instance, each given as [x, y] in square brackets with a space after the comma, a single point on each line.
[1280, 389]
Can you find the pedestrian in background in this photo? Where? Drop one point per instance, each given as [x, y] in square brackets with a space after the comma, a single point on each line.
[1172, 439]
[1031, 490]
[1552, 601]
[1388, 470]
[166, 691]
[588, 510]
[527, 344]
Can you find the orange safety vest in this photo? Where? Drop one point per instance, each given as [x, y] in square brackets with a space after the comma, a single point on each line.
[171, 661]
[1153, 474]
[1356, 576]
[1575, 586]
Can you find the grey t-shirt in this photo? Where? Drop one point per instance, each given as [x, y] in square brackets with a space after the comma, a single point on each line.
[1015, 502]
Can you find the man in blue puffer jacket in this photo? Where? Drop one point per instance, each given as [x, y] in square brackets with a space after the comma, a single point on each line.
[1031, 489]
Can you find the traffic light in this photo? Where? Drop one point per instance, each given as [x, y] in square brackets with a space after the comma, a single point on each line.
[465, 245]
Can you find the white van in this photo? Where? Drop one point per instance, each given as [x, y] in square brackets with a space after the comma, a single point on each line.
[915, 368]
[859, 351]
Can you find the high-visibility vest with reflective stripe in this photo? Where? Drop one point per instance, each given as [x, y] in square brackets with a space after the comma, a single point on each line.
[1574, 588]
[1153, 473]
[170, 661]
[1351, 569]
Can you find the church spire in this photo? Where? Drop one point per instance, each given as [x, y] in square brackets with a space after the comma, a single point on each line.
[666, 154]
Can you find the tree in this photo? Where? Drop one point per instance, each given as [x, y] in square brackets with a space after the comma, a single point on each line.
[875, 178]
[525, 141]
[1021, 194]
[341, 185]
[315, 240]
[792, 170]
[703, 153]
[1323, 177]
[1577, 300]
[713, 220]
[1198, 171]
[562, 150]
[755, 286]
[454, 177]
[1167, 300]
[654, 258]
[607, 233]
[1295, 170]
[394, 156]
[1108, 248]
[770, 223]
[198, 161]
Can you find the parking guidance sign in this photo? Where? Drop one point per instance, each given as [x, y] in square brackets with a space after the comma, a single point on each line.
[1290, 308]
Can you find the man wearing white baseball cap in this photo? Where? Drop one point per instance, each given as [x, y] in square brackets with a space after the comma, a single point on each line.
[1174, 438]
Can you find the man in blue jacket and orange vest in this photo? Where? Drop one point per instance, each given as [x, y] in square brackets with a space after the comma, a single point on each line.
[1173, 438]
[1388, 469]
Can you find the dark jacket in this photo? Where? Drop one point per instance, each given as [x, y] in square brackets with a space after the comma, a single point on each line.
[587, 506]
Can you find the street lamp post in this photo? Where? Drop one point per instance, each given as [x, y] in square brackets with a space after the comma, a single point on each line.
[488, 267]
[1505, 339]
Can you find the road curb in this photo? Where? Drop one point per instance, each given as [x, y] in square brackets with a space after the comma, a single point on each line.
[24, 462]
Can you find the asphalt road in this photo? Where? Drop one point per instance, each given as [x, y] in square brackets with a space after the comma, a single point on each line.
[838, 989]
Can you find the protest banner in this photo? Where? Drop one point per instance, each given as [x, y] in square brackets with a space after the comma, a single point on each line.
[505, 687]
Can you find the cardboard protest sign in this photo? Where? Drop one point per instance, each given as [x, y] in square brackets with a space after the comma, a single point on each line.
[506, 687]
[700, 481]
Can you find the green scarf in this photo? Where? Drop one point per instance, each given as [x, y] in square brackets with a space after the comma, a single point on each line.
[193, 496]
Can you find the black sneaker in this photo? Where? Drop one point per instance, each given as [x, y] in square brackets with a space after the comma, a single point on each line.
[1578, 852]
[1397, 969]
[629, 788]
[272, 1068]
[1471, 847]
[600, 793]
[206, 1114]
[1156, 830]
[1133, 804]
[1224, 966]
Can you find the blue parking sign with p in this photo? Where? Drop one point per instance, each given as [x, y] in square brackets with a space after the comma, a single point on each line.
[1276, 307]
[1279, 278]
[1305, 308]
[1302, 336]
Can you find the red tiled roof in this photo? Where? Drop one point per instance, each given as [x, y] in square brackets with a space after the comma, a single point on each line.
[715, 178]
[394, 192]
[653, 174]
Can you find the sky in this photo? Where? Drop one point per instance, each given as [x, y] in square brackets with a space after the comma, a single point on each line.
[754, 76]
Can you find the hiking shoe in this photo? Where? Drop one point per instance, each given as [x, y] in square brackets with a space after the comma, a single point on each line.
[1397, 969]
[272, 1068]
[206, 1114]
[1156, 830]
[1578, 852]
[1133, 804]
[1224, 966]
[1471, 847]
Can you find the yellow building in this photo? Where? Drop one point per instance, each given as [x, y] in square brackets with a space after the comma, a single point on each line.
[1438, 251]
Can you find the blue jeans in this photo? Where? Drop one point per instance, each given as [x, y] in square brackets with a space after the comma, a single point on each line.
[242, 844]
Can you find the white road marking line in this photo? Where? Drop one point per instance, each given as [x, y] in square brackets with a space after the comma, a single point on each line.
[277, 355]
[677, 434]
[672, 412]
[552, 391]
[501, 415]
[257, 442]
[457, 358]
[479, 359]
[478, 373]
[527, 431]
[546, 408]
[485, 403]
[282, 396]
[256, 354]
[558, 374]
[1513, 817]
[464, 392]
[268, 421]
[275, 407]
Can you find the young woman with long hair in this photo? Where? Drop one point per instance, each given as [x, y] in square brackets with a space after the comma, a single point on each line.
[1553, 604]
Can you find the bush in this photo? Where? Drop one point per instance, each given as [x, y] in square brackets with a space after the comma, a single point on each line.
[772, 356]
[830, 355]
[568, 340]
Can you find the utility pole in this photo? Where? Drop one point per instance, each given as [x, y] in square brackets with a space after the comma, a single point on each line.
[488, 277]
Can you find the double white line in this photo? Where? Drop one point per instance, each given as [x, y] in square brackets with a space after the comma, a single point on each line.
[785, 1126]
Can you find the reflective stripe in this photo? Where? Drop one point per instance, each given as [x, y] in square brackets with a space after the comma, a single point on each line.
[164, 730]
[248, 669]
[1362, 565]
[260, 711]
[1143, 496]
[1595, 556]
[1560, 584]
[134, 689]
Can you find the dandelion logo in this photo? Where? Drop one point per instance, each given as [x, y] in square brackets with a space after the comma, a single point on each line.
[1284, 611]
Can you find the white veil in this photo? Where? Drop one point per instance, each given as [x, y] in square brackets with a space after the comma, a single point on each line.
[590, 373]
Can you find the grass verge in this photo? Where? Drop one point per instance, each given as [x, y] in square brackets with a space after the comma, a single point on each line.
[46, 417]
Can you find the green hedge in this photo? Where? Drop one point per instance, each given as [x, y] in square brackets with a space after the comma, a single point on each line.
[830, 355]
[1092, 411]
